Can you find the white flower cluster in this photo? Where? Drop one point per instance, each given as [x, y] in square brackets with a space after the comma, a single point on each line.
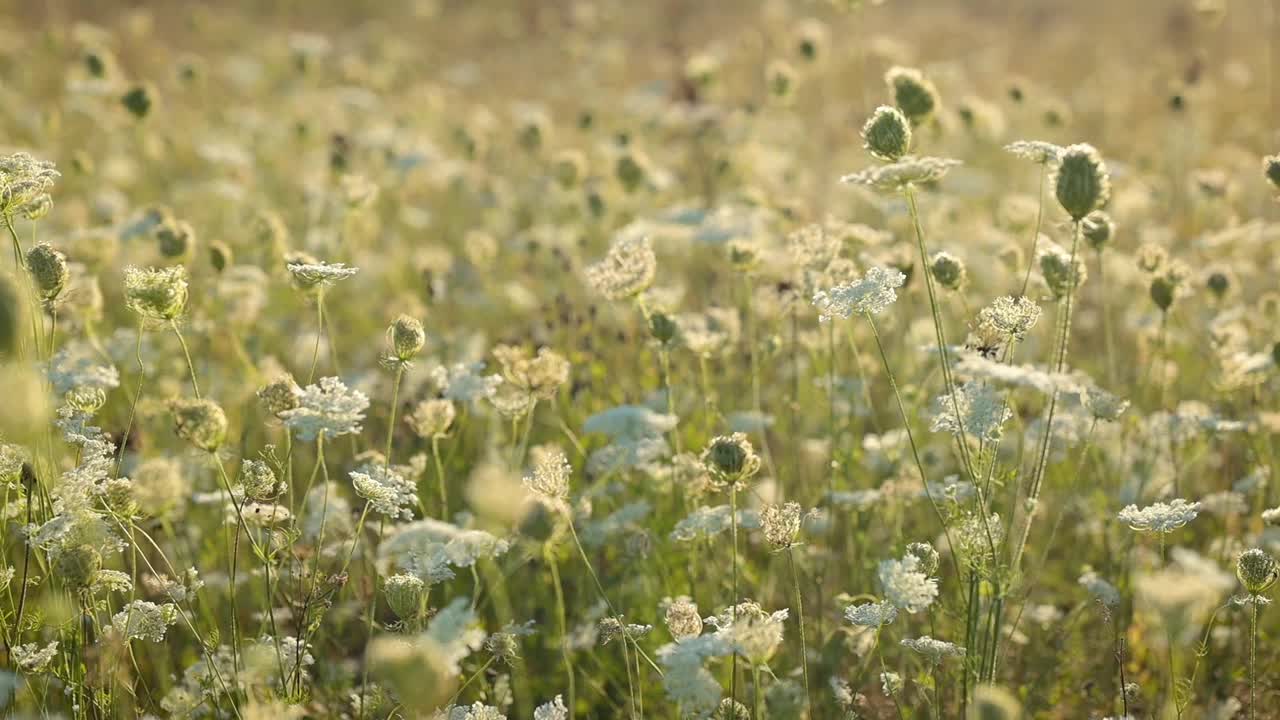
[905, 586]
[870, 294]
[1160, 517]
[328, 409]
[388, 492]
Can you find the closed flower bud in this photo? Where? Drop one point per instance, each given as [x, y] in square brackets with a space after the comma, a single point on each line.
[49, 270]
[279, 395]
[175, 238]
[407, 337]
[887, 135]
[926, 554]
[200, 422]
[1169, 284]
[1081, 183]
[1257, 571]
[139, 100]
[1097, 229]
[404, 595]
[662, 328]
[1061, 272]
[87, 400]
[914, 95]
[731, 459]
[948, 270]
[77, 565]
[220, 255]
[1271, 168]
[683, 620]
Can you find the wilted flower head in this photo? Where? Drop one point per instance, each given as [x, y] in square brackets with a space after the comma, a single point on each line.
[730, 459]
[682, 619]
[1160, 517]
[626, 271]
[781, 524]
[327, 409]
[550, 480]
[158, 294]
[1081, 181]
[871, 294]
[33, 659]
[948, 270]
[200, 422]
[258, 481]
[887, 134]
[279, 395]
[49, 269]
[1098, 228]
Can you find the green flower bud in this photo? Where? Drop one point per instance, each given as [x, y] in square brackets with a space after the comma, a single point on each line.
[200, 422]
[1271, 168]
[887, 135]
[404, 595]
[1081, 181]
[49, 269]
[77, 565]
[407, 337]
[948, 270]
[139, 100]
[914, 95]
[174, 237]
[1097, 228]
[220, 255]
[1257, 571]
[662, 327]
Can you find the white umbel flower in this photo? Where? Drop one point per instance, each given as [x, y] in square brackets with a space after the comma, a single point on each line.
[1160, 517]
[870, 294]
[329, 409]
[905, 585]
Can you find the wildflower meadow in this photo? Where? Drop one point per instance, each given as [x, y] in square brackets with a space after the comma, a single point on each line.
[596, 360]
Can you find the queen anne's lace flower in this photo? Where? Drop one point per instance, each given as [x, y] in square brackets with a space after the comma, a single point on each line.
[626, 271]
[550, 480]
[871, 615]
[869, 295]
[388, 492]
[31, 658]
[935, 650]
[142, 620]
[318, 275]
[903, 173]
[905, 586]
[1160, 517]
[1037, 151]
[976, 410]
[328, 409]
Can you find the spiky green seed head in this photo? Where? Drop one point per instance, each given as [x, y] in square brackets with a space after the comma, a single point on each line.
[1257, 570]
[49, 269]
[948, 270]
[1082, 183]
[200, 422]
[407, 337]
[887, 134]
[913, 93]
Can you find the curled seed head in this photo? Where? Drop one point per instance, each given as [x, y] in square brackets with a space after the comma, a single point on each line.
[49, 269]
[1097, 228]
[1257, 570]
[912, 92]
[1082, 182]
[948, 270]
[200, 422]
[404, 595]
[887, 134]
[407, 337]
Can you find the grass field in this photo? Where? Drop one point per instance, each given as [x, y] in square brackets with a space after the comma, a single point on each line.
[588, 360]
